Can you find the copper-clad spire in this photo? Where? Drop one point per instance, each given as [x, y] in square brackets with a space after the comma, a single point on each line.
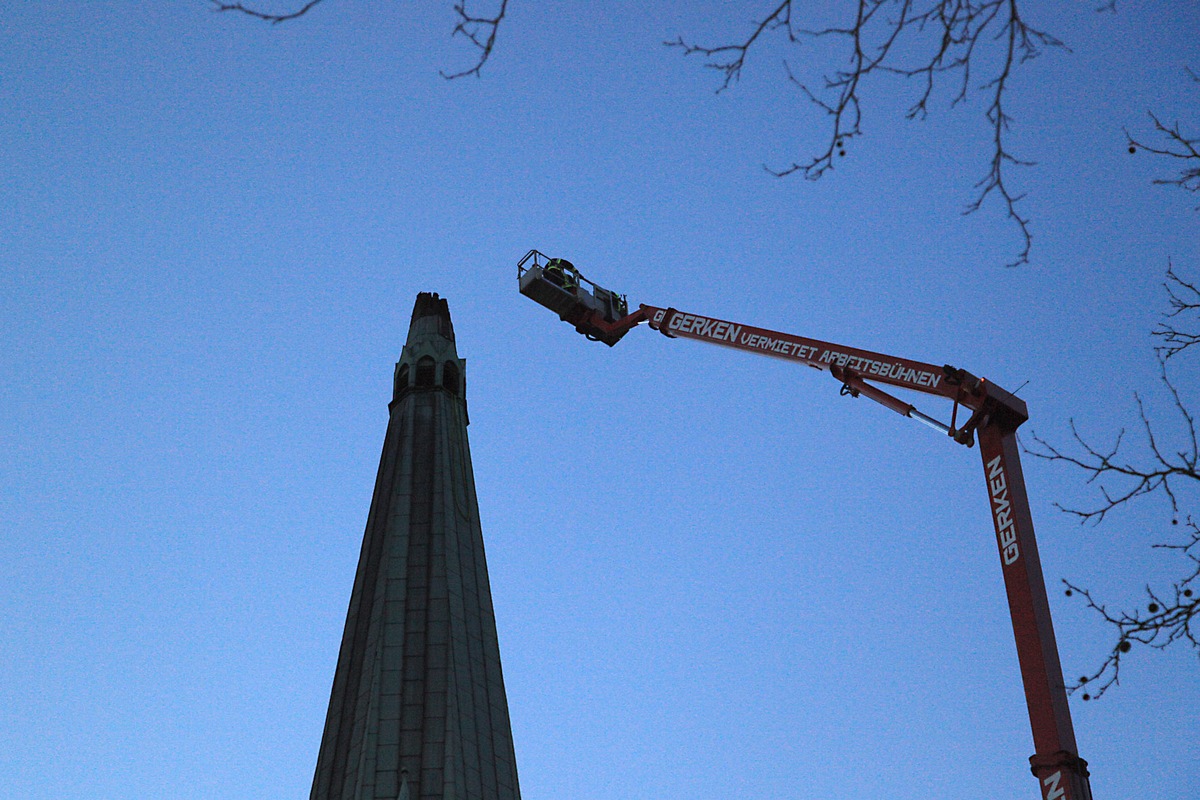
[418, 707]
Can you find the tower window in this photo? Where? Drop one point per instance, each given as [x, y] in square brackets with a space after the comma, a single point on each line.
[425, 370]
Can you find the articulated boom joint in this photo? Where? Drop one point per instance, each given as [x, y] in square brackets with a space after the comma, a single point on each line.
[969, 388]
[960, 377]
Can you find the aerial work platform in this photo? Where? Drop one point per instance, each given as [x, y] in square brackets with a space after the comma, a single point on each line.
[989, 415]
[557, 285]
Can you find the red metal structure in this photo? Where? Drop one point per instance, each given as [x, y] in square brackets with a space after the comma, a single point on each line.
[989, 413]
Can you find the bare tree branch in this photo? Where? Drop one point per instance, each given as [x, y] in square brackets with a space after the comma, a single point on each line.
[731, 67]
[1169, 616]
[950, 38]
[219, 6]
[1105, 466]
[1171, 142]
[479, 29]
[1184, 300]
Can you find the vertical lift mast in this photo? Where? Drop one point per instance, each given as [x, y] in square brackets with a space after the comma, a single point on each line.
[989, 413]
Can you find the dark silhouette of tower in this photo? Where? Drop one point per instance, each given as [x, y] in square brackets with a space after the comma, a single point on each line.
[418, 710]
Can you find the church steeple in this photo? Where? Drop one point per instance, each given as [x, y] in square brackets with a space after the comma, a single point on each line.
[418, 709]
[429, 358]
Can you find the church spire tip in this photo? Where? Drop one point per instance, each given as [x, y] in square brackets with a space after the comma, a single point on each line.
[432, 312]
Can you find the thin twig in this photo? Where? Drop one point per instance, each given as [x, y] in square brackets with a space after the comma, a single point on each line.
[219, 6]
[479, 30]
[1170, 142]
[1184, 301]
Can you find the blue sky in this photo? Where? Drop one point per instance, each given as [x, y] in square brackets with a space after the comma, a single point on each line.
[712, 575]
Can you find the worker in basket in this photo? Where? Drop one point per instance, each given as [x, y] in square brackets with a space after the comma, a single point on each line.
[561, 272]
[622, 307]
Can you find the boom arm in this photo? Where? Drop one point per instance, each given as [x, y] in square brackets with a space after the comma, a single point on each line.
[850, 366]
[995, 416]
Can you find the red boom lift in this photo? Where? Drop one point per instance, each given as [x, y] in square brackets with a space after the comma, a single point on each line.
[991, 414]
